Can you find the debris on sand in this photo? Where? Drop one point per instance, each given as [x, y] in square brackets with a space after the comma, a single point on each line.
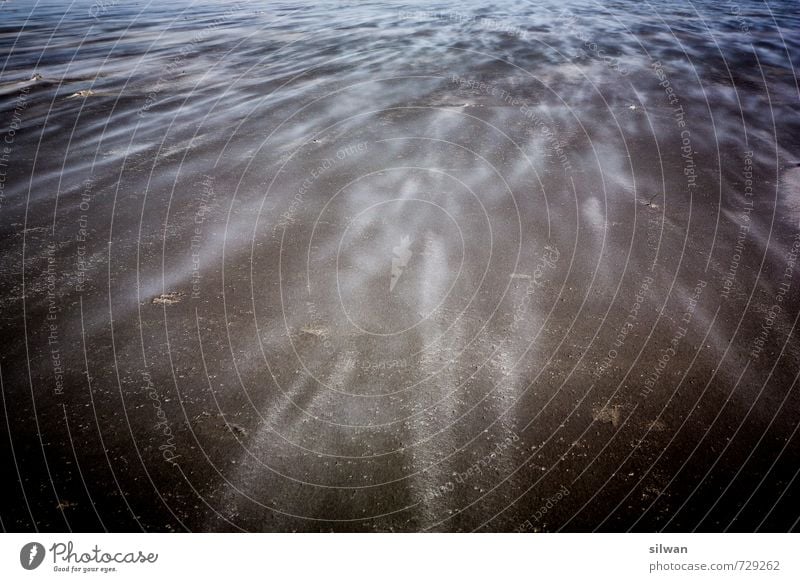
[203, 415]
[168, 298]
[83, 93]
[650, 202]
[16, 86]
[236, 429]
[316, 330]
[606, 414]
[650, 492]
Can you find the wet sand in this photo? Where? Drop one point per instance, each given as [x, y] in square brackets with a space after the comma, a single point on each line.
[372, 268]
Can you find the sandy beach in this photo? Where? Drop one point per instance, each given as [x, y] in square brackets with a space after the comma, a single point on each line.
[395, 267]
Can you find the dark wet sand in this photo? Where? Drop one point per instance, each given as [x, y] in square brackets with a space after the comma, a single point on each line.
[365, 270]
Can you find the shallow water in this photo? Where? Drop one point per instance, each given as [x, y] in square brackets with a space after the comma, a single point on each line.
[400, 266]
